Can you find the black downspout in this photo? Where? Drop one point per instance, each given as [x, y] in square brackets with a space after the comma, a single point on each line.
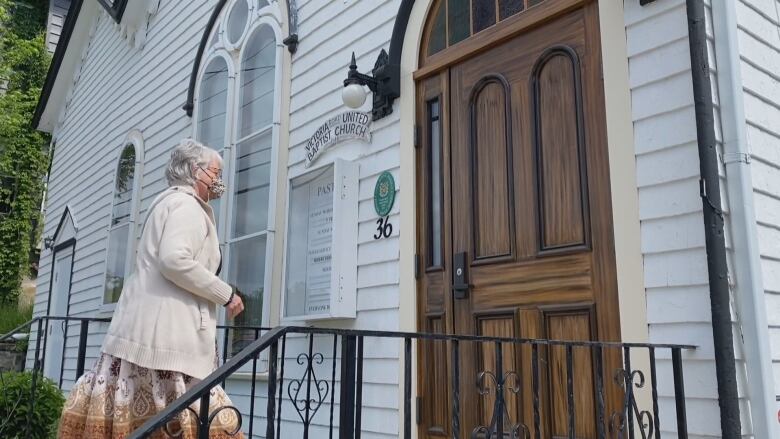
[709, 185]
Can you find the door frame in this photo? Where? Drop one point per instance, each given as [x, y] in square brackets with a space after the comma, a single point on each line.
[622, 168]
[68, 242]
[68, 246]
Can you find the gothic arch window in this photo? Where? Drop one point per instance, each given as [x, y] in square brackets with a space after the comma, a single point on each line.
[122, 228]
[237, 113]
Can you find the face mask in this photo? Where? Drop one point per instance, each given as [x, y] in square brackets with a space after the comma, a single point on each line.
[216, 187]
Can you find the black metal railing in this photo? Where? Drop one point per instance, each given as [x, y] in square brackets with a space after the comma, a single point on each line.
[36, 355]
[618, 400]
[39, 342]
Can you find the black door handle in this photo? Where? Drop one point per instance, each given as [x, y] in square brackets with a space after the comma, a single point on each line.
[460, 284]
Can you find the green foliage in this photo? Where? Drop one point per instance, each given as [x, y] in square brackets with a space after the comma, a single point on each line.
[24, 62]
[12, 316]
[15, 406]
[29, 17]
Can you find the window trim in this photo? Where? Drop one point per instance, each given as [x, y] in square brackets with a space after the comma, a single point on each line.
[116, 9]
[245, 33]
[233, 56]
[135, 139]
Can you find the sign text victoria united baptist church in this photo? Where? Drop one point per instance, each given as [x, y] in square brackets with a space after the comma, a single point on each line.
[348, 125]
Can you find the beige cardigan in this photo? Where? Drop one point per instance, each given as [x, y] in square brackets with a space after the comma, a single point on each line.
[166, 315]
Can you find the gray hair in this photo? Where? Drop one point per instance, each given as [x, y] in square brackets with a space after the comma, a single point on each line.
[186, 158]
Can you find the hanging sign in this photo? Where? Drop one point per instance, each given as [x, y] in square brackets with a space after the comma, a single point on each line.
[348, 125]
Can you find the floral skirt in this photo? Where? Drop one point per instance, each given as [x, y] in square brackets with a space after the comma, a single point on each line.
[117, 396]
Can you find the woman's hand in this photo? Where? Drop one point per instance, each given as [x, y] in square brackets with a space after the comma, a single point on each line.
[235, 307]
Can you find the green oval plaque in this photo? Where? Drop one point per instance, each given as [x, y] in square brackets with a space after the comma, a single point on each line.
[384, 194]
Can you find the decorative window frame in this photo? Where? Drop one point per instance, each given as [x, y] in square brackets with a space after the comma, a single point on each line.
[233, 54]
[134, 138]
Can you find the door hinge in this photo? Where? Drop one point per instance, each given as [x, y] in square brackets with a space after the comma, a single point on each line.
[416, 136]
[417, 266]
[418, 409]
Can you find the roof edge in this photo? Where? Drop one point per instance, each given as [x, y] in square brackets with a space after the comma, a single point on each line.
[56, 62]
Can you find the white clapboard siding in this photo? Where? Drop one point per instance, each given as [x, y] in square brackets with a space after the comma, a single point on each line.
[670, 209]
[318, 69]
[111, 95]
[58, 10]
[759, 47]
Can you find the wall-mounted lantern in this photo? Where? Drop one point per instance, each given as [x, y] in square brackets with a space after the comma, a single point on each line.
[379, 82]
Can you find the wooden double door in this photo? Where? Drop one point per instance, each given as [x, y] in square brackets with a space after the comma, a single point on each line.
[515, 233]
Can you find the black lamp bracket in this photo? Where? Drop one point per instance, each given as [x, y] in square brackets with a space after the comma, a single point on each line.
[379, 82]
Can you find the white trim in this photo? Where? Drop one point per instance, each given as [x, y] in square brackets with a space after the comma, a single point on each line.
[344, 247]
[746, 262]
[629, 264]
[217, 53]
[233, 56]
[135, 139]
[407, 235]
[250, 15]
[69, 209]
[72, 215]
[282, 139]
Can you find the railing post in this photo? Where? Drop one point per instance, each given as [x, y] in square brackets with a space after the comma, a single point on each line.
[347, 397]
[308, 374]
[271, 405]
[333, 385]
[45, 335]
[225, 341]
[83, 332]
[455, 388]
[500, 403]
[407, 388]
[535, 383]
[679, 394]
[65, 325]
[281, 387]
[203, 417]
[656, 416]
[34, 376]
[629, 397]
[253, 389]
[570, 389]
[359, 389]
[597, 353]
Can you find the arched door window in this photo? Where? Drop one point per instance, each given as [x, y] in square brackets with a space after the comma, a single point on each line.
[452, 21]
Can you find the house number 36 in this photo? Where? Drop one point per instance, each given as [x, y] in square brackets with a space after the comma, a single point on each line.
[383, 228]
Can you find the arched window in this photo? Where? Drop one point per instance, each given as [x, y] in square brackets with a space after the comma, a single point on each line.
[239, 110]
[121, 230]
[452, 21]
[212, 103]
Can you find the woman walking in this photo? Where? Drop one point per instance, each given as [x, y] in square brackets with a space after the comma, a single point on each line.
[162, 337]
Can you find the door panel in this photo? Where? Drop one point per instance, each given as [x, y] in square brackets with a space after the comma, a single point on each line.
[491, 172]
[563, 188]
[60, 295]
[516, 186]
